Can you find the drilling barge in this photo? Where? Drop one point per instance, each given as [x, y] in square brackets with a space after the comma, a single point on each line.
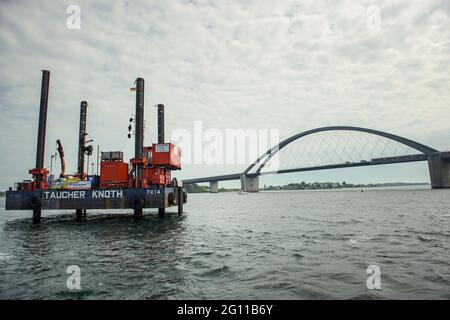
[143, 183]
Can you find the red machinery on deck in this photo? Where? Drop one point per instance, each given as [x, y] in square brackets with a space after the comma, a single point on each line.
[158, 162]
[161, 159]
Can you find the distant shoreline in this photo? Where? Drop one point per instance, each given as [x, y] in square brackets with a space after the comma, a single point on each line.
[195, 188]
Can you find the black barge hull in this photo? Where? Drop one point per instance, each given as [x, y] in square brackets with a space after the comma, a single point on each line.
[57, 199]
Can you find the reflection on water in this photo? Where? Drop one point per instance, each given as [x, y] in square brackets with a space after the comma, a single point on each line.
[293, 245]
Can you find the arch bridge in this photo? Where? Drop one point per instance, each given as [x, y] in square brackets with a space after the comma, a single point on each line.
[336, 147]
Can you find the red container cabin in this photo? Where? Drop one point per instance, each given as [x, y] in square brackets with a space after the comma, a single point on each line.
[166, 155]
[113, 171]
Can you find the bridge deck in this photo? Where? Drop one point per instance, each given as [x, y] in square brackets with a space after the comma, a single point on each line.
[375, 161]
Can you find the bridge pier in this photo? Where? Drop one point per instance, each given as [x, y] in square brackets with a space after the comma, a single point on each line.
[214, 186]
[439, 166]
[249, 184]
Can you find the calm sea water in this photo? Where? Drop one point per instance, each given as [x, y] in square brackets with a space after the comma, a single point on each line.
[270, 245]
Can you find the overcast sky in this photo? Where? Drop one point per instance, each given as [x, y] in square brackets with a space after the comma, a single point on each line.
[288, 65]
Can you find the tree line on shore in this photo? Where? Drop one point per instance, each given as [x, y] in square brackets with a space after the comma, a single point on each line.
[195, 188]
